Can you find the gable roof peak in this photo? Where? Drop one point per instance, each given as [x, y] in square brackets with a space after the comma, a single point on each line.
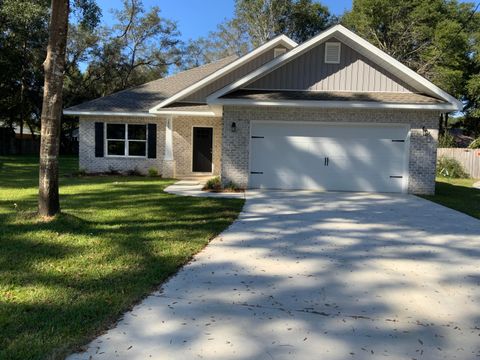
[362, 46]
[278, 40]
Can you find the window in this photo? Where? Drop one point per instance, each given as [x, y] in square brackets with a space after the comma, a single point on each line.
[279, 51]
[332, 53]
[126, 140]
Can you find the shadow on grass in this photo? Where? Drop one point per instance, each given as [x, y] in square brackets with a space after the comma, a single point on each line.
[118, 238]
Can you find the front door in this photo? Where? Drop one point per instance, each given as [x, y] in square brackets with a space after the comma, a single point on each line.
[202, 149]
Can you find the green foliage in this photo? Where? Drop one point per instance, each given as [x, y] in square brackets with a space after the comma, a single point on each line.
[231, 186]
[254, 23]
[446, 140]
[475, 144]
[213, 184]
[66, 280]
[436, 38]
[152, 172]
[450, 168]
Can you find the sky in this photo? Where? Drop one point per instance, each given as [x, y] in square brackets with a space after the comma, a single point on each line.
[197, 17]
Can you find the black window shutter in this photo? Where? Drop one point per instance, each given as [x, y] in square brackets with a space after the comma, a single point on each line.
[99, 138]
[152, 141]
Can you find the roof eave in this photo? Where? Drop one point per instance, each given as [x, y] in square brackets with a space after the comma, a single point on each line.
[107, 113]
[352, 40]
[334, 104]
[279, 40]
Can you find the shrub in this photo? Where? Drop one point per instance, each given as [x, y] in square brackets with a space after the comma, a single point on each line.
[213, 184]
[446, 140]
[134, 172]
[81, 172]
[475, 144]
[152, 172]
[451, 168]
[112, 171]
[231, 187]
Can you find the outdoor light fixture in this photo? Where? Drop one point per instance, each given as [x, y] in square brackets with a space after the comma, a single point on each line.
[234, 127]
[425, 131]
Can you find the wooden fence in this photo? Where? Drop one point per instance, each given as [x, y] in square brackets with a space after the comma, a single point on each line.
[469, 158]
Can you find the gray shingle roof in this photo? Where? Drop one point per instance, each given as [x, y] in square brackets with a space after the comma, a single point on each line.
[384, 97]
[143, 97]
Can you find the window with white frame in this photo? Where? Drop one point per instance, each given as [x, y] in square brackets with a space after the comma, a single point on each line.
[126, 140]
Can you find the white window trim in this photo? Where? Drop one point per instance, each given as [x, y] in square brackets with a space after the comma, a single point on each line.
[339, 48]
[126, 140]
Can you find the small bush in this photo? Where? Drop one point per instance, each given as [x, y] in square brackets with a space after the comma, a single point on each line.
[448, 167]
[475, 144]
[152, 172]
[112, 171]
[446, 140]
[231, 187]
[81, 172]
[134, 172]
[213, 184]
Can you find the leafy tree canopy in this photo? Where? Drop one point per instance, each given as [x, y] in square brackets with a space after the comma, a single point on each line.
[439, 39]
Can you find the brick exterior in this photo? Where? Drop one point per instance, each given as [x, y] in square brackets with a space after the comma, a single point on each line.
[423, 149]
[182, 142]
[92, 164]
[232, 160]
[182, 146]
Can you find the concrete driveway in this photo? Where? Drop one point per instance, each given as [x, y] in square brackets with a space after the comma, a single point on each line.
[324, 276]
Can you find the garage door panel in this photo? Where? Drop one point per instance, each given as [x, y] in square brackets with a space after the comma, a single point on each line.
[294, 156]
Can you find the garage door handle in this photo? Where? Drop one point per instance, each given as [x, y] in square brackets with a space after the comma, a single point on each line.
[396, 177]
[327, 160]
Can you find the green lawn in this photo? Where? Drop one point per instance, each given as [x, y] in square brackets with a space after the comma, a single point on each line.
[118, 238]
[457, 194]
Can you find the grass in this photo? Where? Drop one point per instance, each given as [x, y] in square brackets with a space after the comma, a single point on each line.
[64, 281]
[457, 194]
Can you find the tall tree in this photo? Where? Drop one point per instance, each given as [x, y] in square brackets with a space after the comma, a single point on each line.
[140, 46]
[256, 22]
[48, 202]
[433, 37]
[23, 37]
[54, 67]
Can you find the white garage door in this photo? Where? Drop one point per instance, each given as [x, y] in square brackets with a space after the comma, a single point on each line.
[285, 155]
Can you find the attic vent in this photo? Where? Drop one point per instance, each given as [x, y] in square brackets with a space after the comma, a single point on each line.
[332, 53]
[279, 51]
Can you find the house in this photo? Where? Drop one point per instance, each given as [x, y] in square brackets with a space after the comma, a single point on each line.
[334, 113]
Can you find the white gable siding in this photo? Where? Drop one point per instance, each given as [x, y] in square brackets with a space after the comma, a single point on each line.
[201, 94]
[310, 72]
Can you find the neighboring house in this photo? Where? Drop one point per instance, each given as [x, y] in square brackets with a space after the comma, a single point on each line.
[333, 113]
[14, 140]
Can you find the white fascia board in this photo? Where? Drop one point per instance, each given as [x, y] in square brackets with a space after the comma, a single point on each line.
[335, 104]
[272, 65]
[106, 113]
[359, 44]
[279, 40]
[186, 113]
[395, 67]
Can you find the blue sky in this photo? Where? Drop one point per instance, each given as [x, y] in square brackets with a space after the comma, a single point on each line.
[197, 17]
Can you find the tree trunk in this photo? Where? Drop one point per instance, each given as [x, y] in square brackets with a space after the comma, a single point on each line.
[54, 65]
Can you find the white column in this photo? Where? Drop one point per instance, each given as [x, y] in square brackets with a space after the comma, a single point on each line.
[168, 139]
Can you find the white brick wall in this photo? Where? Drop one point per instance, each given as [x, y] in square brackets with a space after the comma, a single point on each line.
[183, 142]
[235, 151]
[182, 146]
[92, 164]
